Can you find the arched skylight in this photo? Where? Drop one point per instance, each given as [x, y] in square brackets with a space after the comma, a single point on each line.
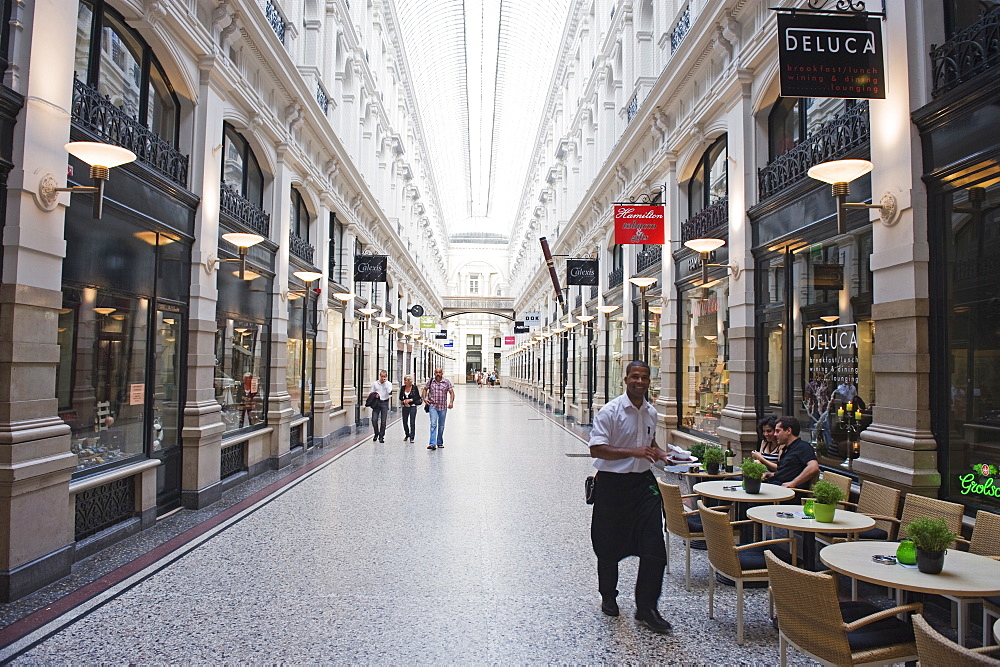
[481, 71]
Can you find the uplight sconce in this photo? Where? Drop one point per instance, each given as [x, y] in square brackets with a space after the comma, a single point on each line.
[705, 246]
[367, 312]
[607, 310]
[101, 158]
[243, 242]
[382, 319]
[586, 318]
[344, 296]
[306, 277]
[830, 319]
[839, 174]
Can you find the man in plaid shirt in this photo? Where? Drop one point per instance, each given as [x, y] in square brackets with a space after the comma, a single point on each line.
[436, 392]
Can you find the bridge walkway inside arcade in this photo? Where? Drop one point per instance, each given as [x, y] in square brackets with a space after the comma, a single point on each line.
[388, 553]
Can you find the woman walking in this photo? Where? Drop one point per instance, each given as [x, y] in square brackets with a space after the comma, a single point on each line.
[409, 398]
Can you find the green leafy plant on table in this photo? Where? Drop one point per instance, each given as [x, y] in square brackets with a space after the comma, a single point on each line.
[752, 469]
[930, 534]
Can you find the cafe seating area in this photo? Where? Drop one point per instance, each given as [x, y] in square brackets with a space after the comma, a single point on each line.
[835, 590]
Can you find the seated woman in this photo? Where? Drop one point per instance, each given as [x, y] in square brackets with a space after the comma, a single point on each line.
[769, 450]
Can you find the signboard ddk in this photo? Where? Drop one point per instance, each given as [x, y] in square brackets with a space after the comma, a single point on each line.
[830, 56]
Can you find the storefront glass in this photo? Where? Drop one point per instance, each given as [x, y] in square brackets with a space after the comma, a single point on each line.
[616, 362]
[240, 372]
[335, 357]
[704, 386]
[654, 351]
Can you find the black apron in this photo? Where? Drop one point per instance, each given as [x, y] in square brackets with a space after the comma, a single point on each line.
[628, 516]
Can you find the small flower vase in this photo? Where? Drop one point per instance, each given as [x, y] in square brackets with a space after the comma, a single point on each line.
[824, 513]
[906, 553]
[751, 485]
[930, 562]
[809, 507]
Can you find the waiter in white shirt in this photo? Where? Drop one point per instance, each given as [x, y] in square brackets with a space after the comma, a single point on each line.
[380, 411]
[628, 510]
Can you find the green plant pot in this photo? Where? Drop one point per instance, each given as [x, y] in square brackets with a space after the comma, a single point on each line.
[824, 513]
[751, 485]
[713, 468]
[930, 562]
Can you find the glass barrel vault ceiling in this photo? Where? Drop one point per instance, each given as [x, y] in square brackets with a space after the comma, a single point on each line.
[481, 70]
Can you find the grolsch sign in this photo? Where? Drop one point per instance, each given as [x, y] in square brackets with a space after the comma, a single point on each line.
[581, 271]
[639, 223]
[370, 268]
[830, 56]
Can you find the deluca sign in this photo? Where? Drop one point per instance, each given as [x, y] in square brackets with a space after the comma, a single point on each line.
[830, 56]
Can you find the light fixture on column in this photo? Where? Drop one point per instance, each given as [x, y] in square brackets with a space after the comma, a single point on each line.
[585, 318]
[344, 296]
[243, 242]
[644, 283]
[396, 325]
[368, 311]
[705, 246]
[607, 310]
[307, 276]
[839, 174]
[101, 158]
[382, 319]
[830, 319]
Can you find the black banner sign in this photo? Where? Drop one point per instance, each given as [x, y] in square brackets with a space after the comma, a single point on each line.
[581, 271]
[370, 268]
[831, 56]
[522, 330]
[441, 335]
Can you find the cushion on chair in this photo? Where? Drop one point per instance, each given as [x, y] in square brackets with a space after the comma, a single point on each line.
[753, 559]
[994, 599]
[887, 632]
[694, 523]
[874, 534]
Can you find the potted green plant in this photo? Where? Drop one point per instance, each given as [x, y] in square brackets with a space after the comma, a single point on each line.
[698, 450]
[827, 496]
[932, 538]
[753, 471]
[713, 459]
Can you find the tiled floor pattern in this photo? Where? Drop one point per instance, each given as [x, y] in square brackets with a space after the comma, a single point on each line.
[393, 554]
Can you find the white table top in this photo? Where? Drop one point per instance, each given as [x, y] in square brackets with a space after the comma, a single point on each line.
[843, 521]
[963, 575]
[996, 628]
[769, 493]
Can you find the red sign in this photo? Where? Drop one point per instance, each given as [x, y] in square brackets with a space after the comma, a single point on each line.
[639, 223]
[508, 340]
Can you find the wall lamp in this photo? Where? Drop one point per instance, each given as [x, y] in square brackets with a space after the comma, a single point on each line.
[306, 277]
[839, 174]
[243, 242]
[703, 247]
[101, 158]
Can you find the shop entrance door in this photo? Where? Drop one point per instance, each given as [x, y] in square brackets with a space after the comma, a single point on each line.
[473, 363]
[164, 388]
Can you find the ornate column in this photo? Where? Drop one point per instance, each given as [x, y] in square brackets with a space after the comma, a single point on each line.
[666, 402]
[279, 408]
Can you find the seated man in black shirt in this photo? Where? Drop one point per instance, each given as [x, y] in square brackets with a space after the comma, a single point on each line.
[797, 464]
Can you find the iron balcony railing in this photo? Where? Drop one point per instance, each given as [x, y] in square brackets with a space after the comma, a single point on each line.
[649, 257]
[681, 30]
[593, 291]
[275, 18]
[968, 54]
[707, 221]
[579, 301]
[243, 211]
[633, 107]
[322, 98]
[301, 248]
[615, 277]
[835, 139]
[98, 116]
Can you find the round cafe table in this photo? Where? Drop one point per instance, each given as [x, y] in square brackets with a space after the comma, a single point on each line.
[844, 522]
[996, 628]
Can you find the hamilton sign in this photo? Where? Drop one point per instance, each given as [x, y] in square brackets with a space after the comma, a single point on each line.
[830, 56]
[639, 223]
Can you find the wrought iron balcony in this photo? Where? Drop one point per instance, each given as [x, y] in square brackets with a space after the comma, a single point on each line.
[301, 248]
[681, 30]
[276, 19]
[651, 256]
[633, 107]
[322, 98]
[707, 221]
[579, 301]
[615, 278]
[243, 211]
[968, 54]
[835, 139]
[593, 291]
[98, 116]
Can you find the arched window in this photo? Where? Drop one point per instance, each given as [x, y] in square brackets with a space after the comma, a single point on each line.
[240, 169]
[114, 60]
[300, 216]
[709, 183]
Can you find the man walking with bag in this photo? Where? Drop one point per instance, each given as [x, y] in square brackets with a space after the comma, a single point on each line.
[439, 395]
[628, 510]
[380, 410]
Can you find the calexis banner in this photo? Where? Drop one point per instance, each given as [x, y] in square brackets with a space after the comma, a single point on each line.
[581, 271]
[370, 268]
[639, 223]
[830, 56]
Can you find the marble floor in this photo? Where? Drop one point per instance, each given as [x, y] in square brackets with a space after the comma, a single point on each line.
[390, 554]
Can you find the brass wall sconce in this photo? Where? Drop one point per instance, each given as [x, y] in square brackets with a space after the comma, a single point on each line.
[243, 242]
[705, 246]
[839, 174]
[306, 277]
[101, 158]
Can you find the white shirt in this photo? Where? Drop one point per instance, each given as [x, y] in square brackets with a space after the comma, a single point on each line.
[384, 389]
[620, 424]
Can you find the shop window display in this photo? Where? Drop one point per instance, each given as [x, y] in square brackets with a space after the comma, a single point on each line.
[616, 367]
[335, 356]
[240, 360]
[704, 373]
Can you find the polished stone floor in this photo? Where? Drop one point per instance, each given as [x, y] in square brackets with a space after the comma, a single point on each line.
[394, 554]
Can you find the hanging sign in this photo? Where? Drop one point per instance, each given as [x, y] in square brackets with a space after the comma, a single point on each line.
[521, 330]
[370, 268]
[581, 271]
[508, 340]
[428, 322]
[532, 319]
[639, 223]
[441, 335]
[830, 56]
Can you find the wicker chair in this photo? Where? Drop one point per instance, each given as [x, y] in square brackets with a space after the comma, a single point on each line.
[880, 503]
[817, 624]
[681, 523]
[933, 648]
[916, 506]
[740, 563]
